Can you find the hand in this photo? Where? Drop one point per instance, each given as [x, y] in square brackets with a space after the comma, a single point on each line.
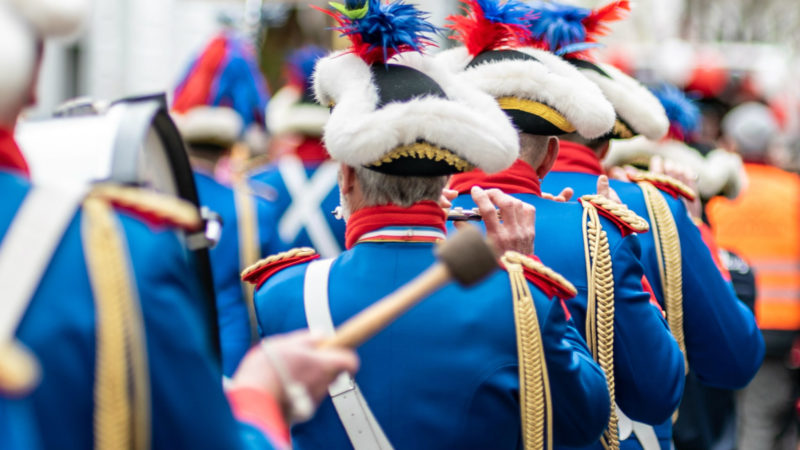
[682, 174]
[517, 230]
[304, 363]
[447, 197]
[563, 197]
[604, 189]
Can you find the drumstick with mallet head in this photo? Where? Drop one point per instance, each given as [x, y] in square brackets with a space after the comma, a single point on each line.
[466, 258]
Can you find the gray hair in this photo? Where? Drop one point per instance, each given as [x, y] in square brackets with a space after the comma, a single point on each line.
[382, 189]
[532, 148]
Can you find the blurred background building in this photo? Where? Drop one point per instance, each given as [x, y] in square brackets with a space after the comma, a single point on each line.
[714, 47]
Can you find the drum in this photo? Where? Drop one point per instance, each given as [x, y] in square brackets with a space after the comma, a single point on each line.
[132, 142]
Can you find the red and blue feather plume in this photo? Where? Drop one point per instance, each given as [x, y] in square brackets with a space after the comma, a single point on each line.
[225, 74]
[378, 31]
[300, 66]
[683, 113]
[570, 30]
[491, 24]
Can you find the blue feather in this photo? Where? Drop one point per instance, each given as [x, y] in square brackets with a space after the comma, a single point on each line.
[511, 12]
[301, 62]
[577, 47]
[355, 4]
[558, 25]
[391, 25]
[683, 113]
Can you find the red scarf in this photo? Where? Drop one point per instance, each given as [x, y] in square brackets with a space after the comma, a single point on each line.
[576, 158]
[366, 220]
[520, 178]
[10, 156]
[312, 150]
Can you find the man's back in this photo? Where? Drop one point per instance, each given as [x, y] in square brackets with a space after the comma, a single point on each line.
[59, 327]
[445, 375]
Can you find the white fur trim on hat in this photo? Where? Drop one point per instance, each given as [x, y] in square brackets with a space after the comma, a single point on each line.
[286, 115]
[718, 173]
[468, 123]
[17, 59]
[633, 103]
[53, 18]
[550, 80]
[210, 125]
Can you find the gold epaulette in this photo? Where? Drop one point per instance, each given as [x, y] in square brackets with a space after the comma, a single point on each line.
[547, 279]
[664, 183]
[259, 272]
[159, 209]
[619, 213]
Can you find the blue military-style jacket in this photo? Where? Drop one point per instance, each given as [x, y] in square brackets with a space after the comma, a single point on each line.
[304, 195]
[226, 263]
[648, 365]
[445, 374]
[188, 408]
[723, 344]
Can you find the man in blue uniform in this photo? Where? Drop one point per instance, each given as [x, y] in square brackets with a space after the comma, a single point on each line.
[204, 111]
[544, 96]
[447, 374]
[99, 337]
[301, 183]
[721, 341]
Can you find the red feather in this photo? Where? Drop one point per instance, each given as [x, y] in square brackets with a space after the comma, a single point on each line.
[596, 23]
[478, 34]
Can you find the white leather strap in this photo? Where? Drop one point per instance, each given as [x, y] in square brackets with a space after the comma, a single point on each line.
[306, 208]
[645, 434]
[362, 428]
[28, 247]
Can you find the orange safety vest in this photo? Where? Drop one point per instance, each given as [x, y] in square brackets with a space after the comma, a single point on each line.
[763, 226]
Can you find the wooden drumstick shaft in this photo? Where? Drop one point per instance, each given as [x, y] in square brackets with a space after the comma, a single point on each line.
[363, 326]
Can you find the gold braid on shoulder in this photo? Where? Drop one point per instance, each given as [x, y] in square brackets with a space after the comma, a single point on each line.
[665, 180]
[293, 253]
[668, 251]
[600, 310]
[620, 210]
[536, 407]
[178, 212]
[122, 390]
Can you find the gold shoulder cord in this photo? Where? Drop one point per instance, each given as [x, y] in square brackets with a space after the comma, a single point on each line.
[600, 310]
[668, 252]
[121, 367]
[249, 248]
[534, 384]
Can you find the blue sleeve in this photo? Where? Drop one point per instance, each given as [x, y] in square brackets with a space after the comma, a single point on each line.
[581, 405]
[189, 409]
[648, 364]
[724, 343]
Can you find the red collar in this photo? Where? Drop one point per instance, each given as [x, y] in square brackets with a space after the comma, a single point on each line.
[366, 220]
[520, 178]
[577, 158]
[312, 150]
[10, 156]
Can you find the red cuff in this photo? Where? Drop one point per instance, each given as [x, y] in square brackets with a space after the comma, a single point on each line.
[260, 409]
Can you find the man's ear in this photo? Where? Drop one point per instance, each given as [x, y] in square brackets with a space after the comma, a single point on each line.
[549, 158]
[347, 179]
[602, 151]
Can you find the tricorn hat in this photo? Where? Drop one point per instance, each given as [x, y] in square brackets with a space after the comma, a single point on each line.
[540, 92]
[572, 32]
[399, 112]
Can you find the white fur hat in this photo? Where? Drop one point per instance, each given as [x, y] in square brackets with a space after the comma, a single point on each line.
[288, 114]
[210, 125]
[638, 111]
[410, 116]
[718, 173]
[22, 22]
[541, 92]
